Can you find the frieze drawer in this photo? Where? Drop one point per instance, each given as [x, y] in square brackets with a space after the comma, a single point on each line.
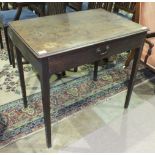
[92, 53]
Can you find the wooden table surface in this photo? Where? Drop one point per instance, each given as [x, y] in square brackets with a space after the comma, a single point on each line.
[51, 35]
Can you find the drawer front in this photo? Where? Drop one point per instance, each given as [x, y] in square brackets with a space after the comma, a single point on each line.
[93, 53]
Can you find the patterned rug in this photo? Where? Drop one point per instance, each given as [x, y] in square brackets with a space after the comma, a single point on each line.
[68, 95]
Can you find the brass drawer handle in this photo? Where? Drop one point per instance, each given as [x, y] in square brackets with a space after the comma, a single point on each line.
[102, 52]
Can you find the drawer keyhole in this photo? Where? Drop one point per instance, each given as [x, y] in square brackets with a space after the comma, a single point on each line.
[102, 52]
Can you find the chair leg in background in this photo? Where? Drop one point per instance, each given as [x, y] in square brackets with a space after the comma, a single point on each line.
[60, 75]
[63, 73]
[11, 52]
[1, 40]
[75, 69]
[7, 45]
[95, 70]
[129, 58]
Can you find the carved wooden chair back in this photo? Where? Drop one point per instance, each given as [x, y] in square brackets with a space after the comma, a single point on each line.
[126, 6]
[5, 6]
[129, 7]
[105, 5]
[54, 8]
[75, 5]
[38, 7]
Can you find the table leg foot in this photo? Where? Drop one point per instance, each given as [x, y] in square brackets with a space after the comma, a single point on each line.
[7, 45]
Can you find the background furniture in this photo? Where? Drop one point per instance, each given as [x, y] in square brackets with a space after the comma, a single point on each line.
[145, 15]
[54, 8]
[14, 14]
[75, 5]
[128, 7]
[104, 5]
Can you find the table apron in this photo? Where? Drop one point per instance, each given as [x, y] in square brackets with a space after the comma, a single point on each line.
[71, 59]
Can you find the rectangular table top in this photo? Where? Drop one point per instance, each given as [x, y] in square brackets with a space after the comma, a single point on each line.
[50, 35]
